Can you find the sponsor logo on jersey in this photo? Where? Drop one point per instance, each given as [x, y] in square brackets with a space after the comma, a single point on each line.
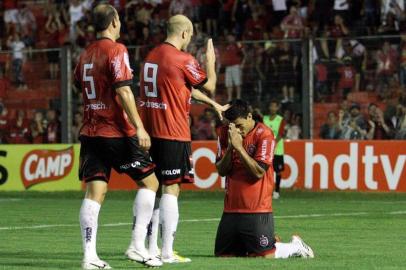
[117, 67]
[96, 106]
[127, 61]
[153, 105]
[263, 241]
[40, 166]
[192, 67]
[263, 149]
[135, 164]
[170, 172]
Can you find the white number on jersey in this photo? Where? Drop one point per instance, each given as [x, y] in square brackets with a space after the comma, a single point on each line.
[150, 79]
[92, 93]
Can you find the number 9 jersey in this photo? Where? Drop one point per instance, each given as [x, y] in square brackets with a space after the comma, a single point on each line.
[104, 67]
[167, 78]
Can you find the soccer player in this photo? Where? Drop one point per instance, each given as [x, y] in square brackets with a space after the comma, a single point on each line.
[277, 124]
[245, 157]
[112, 136]
[170, 77]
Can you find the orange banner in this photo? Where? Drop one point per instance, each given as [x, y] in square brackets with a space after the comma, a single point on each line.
[313, 165]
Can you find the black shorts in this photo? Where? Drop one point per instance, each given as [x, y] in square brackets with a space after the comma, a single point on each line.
[173, 161]
[278, 163]
[243, 235]
[98, 155]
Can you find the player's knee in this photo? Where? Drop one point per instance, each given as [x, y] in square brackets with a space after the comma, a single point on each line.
[96, 191]
[173, 189]
[150, 182]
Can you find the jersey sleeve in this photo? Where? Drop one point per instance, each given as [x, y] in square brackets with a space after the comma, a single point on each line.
[194, 74]
[265, 149]
[222, 143]
[120, 67]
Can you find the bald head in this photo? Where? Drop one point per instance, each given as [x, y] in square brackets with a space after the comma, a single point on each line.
[178, 24]
[103, 15]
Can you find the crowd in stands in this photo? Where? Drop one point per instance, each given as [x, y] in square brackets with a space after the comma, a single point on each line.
[260, 46]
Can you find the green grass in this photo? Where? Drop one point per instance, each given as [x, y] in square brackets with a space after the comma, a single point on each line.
[371, 233]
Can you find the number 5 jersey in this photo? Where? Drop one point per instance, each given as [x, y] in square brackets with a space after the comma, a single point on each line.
[102, 68]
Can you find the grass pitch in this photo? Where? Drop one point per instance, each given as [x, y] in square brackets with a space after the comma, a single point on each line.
[346, 230]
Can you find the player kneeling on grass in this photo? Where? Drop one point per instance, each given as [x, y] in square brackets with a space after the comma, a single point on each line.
[245, 154]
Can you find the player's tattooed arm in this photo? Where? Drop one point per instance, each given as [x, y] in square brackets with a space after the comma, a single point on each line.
[200, 96]
[128, 102]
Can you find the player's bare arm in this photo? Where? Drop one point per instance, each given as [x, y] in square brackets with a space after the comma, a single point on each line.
[128, 102]
[210, 85]
[224, 165]
[249, 163]
[200, 96]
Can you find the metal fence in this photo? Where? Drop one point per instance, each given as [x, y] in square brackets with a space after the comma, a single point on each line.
[310, 78]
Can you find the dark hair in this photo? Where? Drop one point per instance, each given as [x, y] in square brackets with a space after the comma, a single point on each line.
[274, 101]
[103, 15]
[239, 108]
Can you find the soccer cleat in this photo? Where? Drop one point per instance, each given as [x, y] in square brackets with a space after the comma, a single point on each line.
[176, 258]
[96, 264]
[142, 257]
[304, 250]
[276, 195]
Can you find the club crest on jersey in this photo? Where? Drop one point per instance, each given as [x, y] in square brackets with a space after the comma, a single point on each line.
[263, 241]
[251, 149]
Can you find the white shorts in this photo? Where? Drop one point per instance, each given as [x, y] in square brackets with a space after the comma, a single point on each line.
[10, 16]
[233, 76]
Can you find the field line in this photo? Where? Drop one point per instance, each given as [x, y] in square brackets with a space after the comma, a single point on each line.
[45, 226]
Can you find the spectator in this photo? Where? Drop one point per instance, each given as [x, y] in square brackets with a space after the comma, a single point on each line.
[322, 13]
[19, 130]
[386, 67]
[226, 14]
[321, 85]
[341, 8]
[241, 13]
[353, 127]
[339, 28]
[371, 12]
[331, 129]
[399, 121]
[254, 28]
[378, 128]
[178, 7]
[4, 122]
[292, 24]
[54, 29]
[347, 77]
[206, 126]
[17, 46]
[53, 133]
[10, 15]
[38, 127]
[77, 125]
[27, 25]
[294, 130]
[402, 60]
[4, 85]
[285, 65]
[77, 11]
[210, 16]
[390, 26]
[280, 10]
[233, 60]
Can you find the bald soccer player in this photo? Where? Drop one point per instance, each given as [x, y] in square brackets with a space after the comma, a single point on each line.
[112, 135]
[170, 77]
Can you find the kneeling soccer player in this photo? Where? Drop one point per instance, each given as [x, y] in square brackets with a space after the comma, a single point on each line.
[245, 156]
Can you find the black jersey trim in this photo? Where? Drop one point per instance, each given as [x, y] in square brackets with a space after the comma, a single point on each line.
[263, 165]
[122, 83]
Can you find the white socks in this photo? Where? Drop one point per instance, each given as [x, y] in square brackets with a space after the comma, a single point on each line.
[153, 230]
[142, 210]
[169, 217]
[285, 250]
[88, 217]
